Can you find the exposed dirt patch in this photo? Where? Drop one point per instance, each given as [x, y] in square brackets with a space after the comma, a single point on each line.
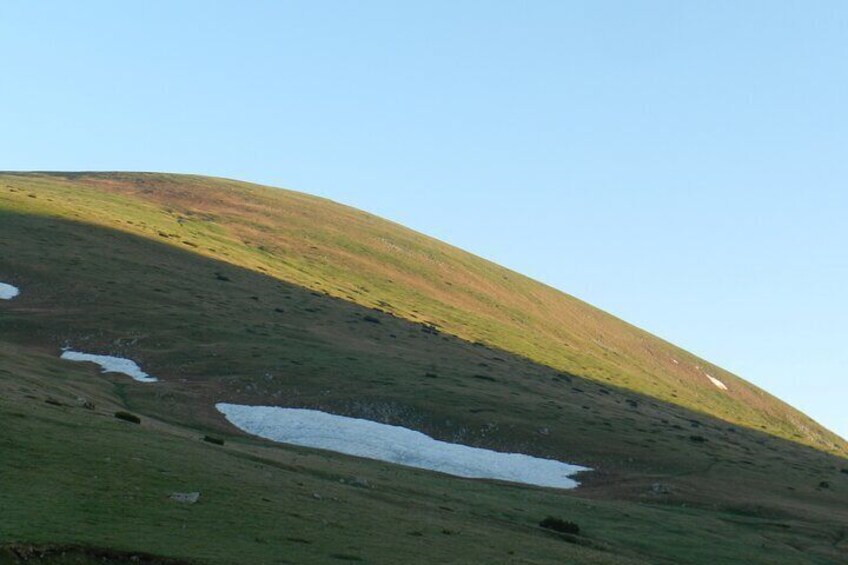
[78, 555]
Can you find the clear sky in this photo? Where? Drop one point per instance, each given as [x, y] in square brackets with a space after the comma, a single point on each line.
[682, 165]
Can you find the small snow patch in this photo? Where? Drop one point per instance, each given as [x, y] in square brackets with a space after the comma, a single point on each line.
[8, 292]
[111, 365]
[395, 444]
[717, 382]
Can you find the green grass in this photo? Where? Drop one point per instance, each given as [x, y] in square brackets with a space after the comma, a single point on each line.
[323, 246]
[276, 314]
[83, 476]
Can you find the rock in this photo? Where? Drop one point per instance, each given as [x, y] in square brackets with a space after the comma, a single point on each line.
[87, 404]
[359, 482]
[185, 497]
[316, 496]
[660, 488]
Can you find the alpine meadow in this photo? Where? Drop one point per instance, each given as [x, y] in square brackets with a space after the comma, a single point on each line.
[196, 294]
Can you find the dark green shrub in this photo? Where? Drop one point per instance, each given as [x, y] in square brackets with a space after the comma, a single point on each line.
[215, 440]
[559, 525]
[127, 417]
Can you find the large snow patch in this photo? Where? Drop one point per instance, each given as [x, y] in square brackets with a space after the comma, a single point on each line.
[8, 292]
[111, 365]
[394, 444]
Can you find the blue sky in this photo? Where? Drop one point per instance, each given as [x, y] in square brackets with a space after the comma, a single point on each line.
[681, 165]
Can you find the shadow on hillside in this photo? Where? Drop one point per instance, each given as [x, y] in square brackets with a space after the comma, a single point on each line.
[217, 332]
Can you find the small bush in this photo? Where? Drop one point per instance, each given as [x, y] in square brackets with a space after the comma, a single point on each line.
[698, 439]
[215, 440]
[559, 525]
[824, 484]
[371, 320]
[127, 417]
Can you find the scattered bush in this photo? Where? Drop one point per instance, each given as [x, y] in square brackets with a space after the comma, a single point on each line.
[127, 417]
[559, 525]
[698, 439]
[371, 320]
[212, 439]
[824, 484]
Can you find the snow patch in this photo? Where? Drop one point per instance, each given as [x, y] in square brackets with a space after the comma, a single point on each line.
[395, 444]
[111, 365]
[8, 292]
[716, 382]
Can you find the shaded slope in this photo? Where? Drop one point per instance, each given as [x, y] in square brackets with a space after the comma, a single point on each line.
[214, 331]
[353, 255]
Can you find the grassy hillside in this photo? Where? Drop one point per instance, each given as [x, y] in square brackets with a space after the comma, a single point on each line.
[349, 254]
[232, 292]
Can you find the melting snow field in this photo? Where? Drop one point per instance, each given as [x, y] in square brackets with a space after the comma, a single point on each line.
[111, 365]
[717, 382]
[8, 292]
[394, 444]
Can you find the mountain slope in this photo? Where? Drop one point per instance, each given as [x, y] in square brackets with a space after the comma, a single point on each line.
[350, 254]
[232, 292]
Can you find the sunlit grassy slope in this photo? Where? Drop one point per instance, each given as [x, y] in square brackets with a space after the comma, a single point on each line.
[356, 256]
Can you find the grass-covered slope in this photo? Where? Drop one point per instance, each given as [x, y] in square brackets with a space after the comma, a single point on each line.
[323, 246]
[231, 292]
